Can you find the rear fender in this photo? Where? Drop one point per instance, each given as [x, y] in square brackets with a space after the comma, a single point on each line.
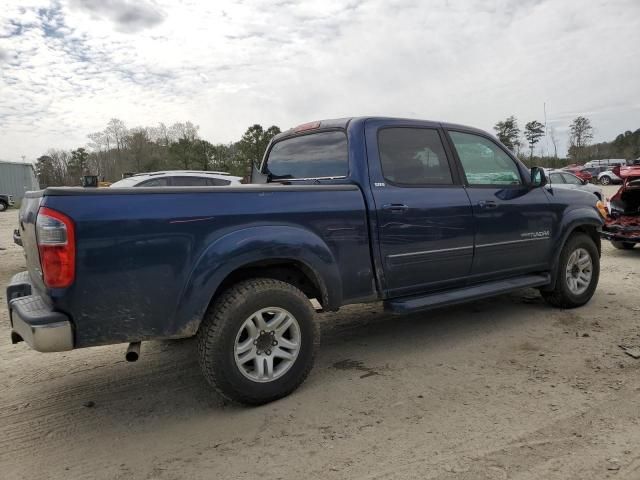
[244, 247]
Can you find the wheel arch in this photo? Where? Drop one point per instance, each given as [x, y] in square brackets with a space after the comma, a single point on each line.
[288, 253]
[581, 220]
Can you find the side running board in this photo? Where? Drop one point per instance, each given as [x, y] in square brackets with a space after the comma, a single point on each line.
[419, 303]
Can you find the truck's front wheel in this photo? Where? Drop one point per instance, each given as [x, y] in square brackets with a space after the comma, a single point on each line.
[258, 341]
[577, 275]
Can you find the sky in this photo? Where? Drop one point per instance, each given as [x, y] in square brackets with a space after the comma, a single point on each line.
[68, 67]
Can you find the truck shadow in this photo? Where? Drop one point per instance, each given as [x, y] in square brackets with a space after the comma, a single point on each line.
[101, 390]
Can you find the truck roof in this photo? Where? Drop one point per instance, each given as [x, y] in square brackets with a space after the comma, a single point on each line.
[344, 123]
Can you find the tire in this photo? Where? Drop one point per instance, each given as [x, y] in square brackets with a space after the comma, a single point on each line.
[623, 245]
[3, 206]
[605, 180]
[225, 329]
[564, 295]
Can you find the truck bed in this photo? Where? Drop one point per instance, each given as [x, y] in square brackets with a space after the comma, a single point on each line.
[146, 257]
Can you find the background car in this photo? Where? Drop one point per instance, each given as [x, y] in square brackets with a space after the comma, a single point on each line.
[178, 178]
[6, 201]
[579, 171]
[563, 179]
[606, 162]
[608, 177]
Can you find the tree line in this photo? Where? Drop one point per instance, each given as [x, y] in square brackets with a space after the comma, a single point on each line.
[625, 145]
[117, 150]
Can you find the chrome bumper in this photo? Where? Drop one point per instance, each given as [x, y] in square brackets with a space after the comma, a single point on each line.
[33, 321]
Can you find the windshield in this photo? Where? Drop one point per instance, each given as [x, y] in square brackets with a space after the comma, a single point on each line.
[125, 182]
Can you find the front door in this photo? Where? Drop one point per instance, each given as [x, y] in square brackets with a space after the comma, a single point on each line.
[424, 217]
[513, 221]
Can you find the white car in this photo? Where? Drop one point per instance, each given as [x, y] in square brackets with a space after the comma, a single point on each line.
[178, 178]
[608, 177]
[562, 179]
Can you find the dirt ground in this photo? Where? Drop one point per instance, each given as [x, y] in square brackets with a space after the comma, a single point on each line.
[507, 388]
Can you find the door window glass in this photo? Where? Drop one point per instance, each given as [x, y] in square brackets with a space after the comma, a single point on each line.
[155, 182]
[556, 178]
[571, 179]
[484, 162]
[413, 156]
[189, 182]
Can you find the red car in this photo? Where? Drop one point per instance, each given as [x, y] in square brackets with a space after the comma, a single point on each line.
[580, 172]
[622, 226]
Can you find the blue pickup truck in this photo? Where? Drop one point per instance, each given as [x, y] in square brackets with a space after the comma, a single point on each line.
[415, 214]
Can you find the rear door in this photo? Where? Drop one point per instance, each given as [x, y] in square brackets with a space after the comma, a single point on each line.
[425, 221]
[513, 221]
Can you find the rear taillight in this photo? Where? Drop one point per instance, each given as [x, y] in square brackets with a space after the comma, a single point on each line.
[57, 246]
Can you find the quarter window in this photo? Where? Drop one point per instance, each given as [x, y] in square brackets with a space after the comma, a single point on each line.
[413, 156]
[484, 163]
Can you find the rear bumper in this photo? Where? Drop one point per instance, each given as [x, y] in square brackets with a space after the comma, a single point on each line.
[33, 321]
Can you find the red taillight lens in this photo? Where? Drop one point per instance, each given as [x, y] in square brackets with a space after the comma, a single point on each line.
[57, 247]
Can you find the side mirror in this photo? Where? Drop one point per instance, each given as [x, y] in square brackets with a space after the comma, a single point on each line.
[538, 177]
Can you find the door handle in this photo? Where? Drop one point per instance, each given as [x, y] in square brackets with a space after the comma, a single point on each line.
[489, 204]
[396, 207]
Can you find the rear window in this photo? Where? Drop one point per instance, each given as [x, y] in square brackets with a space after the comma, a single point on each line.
[318, 155]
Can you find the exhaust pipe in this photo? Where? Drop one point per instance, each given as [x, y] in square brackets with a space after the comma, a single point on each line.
[133, 352]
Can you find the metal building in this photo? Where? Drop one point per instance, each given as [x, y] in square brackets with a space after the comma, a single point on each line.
[17, 178]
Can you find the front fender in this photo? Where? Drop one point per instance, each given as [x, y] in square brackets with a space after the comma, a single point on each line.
[247, 246]
[583, 216]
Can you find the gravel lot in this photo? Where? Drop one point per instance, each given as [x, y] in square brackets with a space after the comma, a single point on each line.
[497, 389]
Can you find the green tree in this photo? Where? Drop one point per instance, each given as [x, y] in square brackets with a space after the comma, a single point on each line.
[253, 144]
[77, 165]
[580, 134]
[45, 171]
[533, 131]
[508, 132]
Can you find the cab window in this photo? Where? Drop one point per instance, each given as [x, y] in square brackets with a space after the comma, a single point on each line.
[484, 162]
[413, 156]
[319, 155]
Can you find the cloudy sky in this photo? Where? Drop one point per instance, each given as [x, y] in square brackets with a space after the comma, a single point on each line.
[67, 67]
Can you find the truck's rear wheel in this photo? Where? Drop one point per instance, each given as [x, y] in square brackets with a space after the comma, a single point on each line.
[258, 341]
[577, 275]
[622, 245]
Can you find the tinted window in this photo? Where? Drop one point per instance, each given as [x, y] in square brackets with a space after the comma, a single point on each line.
[317, 155]
[571, 179]
[155, 182]
[484, 162]
[217, 182]
[556, 178]
[189, 182]
[413, 156]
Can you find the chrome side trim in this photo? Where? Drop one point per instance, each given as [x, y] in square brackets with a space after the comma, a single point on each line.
[430, 251]
[512, 241]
